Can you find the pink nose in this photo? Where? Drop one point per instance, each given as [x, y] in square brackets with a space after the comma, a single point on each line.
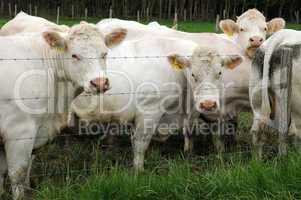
[208, 105]
[256, 41]
[101, 84]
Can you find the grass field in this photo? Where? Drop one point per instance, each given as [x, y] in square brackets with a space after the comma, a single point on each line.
[88, 170]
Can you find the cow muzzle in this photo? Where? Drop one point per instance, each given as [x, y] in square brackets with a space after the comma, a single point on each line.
[255, 42]
[208, 106]
[100, 84]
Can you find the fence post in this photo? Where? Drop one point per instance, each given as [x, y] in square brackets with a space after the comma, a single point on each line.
[86, 13]
[147, 14]
[160, 11]
[2, 7]
[283, 91]
[111, 13]
[36, 10]
[217, 23]
[30, 9]
[58, 15]
[72, 11]
[175, 21]
[138, 15]
[297, 15]
[185, 15]
[9, 10]
[16, 10]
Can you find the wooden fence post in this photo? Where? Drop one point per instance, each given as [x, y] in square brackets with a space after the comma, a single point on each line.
[9, 10]
[147, 14]
[160, 11]
[111, 13]
[2, 7]
[30, 9]
[297, 15]
[283, 91]
[185, 15]
[86, 13]
[175, 21]
[16, 10]
[58, 15]
[72, 11]
[36, 10]
[217, 23]
[138, 15]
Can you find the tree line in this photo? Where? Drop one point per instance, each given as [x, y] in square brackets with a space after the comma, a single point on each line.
[205, 10]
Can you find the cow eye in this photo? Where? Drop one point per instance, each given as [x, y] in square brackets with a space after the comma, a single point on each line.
[265, 29]
[75, 57]
[242, 30]
[219, 73]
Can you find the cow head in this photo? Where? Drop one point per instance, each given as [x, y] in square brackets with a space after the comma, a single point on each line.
[204, 72]
[84, 49]
[251, 29]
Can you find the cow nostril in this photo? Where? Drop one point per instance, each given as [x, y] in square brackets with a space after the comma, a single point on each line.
[261, 40]
[93, 84]
[251, 40]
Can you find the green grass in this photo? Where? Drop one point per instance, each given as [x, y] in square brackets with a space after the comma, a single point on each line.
[180, 178]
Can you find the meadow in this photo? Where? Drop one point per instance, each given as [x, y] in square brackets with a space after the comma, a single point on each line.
[85, 168]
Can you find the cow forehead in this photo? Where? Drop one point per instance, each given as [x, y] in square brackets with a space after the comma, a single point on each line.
[252, 23]
[252, 14]
[205, 55]
[86, 33]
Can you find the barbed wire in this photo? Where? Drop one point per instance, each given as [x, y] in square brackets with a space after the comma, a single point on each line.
[118, 57]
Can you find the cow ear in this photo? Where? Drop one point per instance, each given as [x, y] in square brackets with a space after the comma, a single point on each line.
[54, 40]
[229, 27]
[116, 37]
[178, 62]
[275, 25]
[232, 61]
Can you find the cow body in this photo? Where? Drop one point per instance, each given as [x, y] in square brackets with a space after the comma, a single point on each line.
[35, 70]
[236, 81]
[143, 90]
[24, 23]
[266, 77]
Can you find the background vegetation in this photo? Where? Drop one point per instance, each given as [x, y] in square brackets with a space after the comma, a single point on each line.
[205, 10]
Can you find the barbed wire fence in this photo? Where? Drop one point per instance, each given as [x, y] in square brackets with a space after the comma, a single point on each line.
[68, 135]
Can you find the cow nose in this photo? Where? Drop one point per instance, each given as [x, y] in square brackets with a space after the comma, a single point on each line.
[208, 105]
[101, 84]
[256, 41]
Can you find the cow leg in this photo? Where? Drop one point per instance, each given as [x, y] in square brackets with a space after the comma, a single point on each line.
[145, 129]
[188, 142]
[217, 136]
[257, 140]
[3, 170]
[18, 155]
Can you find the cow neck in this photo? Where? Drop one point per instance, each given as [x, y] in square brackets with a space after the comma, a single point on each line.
[55, 62]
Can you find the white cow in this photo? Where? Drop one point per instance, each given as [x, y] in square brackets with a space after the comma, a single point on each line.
[34, 70]
[236, 82]
[24, 23]
[251, 29]
[267, 72]
[147, 90]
